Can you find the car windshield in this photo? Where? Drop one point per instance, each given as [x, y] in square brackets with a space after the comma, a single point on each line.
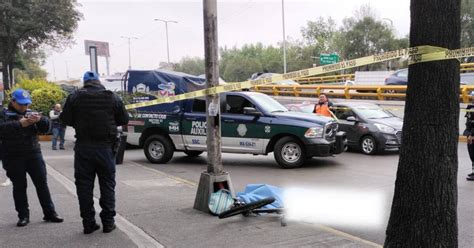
[307, 108]
[373, 112]
[269, 104]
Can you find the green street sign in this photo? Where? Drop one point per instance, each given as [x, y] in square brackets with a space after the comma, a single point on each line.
[326, 59]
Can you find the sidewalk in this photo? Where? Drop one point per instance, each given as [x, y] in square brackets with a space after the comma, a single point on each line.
[155, 209]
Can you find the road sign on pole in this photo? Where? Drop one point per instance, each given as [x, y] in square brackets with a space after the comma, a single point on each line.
[326, 59]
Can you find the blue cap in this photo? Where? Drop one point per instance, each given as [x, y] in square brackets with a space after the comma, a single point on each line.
[90, 75]
[21, 96]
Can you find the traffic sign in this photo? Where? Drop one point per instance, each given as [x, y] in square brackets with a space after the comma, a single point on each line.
[326, 59]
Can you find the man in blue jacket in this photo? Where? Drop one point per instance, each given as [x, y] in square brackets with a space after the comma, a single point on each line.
[19, 128]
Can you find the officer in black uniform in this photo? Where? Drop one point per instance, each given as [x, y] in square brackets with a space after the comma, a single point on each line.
[22, 154]
[469, 132]
[95, 113]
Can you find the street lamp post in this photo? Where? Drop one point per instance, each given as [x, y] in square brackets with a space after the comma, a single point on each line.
[167, 41]
[129, 52]
[284, 36]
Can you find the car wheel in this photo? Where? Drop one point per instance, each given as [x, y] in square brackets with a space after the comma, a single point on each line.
[158, 149]
[289, 153]
[193, 153]
[368, 145]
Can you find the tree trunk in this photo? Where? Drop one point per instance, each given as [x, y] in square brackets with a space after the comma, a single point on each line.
[5, 75]
[424, 205]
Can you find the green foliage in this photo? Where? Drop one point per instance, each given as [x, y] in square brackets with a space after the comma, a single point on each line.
[28, 65]
[29, 24]
[193, 66]
[44, 95]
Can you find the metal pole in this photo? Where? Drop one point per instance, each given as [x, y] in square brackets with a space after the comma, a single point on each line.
[129, 51]
[167, 41]
[284, 36]
[129, 56]
[67, 71]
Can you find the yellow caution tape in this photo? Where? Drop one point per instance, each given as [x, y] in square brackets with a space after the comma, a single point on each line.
[417, 54]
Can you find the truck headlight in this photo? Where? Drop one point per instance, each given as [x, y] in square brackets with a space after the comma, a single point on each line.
[314, 132]
[384, 128]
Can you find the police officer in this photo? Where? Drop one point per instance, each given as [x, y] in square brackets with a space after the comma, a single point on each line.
[95, 113]
[22, 154]
[469, 132]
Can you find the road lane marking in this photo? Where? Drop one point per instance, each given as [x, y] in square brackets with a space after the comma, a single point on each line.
[136, 234]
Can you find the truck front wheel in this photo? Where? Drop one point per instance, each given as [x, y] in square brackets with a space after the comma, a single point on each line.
[158, 149]
[289, 153]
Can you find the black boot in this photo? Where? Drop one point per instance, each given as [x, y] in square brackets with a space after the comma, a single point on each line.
[53, 218]
[23, 221]
[109, 228]
[470, 177]
[90, 228]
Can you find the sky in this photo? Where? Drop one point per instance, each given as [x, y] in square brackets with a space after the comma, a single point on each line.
[239, 22]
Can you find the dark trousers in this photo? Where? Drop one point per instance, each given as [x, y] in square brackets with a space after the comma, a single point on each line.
[89, 162]
[34, 165]
[470, 149]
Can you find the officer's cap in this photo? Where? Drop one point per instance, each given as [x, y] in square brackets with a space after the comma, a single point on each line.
[90, 75]
[21, 96]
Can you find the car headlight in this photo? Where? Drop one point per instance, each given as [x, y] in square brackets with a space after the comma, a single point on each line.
[314, 132]
[384, 128]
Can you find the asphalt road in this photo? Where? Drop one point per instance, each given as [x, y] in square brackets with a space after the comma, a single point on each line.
[349, 174]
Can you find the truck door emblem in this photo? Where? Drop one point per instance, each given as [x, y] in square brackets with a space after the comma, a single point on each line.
[268, 129]
[242, 130]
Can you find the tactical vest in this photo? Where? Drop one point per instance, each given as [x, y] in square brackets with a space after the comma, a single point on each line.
[94, 117]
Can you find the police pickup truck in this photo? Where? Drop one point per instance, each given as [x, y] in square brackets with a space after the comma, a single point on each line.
[251, 123]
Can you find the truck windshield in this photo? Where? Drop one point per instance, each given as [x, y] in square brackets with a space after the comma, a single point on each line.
[269, 104]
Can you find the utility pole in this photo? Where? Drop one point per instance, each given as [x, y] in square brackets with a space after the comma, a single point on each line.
[67, 71]
[129, 52]
[284, 36]
[167, 41]
[214, 178]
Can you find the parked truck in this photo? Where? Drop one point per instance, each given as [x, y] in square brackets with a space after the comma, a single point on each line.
[251, 123]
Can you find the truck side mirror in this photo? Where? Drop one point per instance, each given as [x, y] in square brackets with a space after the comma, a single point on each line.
[251, 111]
[351, 118]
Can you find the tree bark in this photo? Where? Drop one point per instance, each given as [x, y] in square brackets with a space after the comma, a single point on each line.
[424, 205]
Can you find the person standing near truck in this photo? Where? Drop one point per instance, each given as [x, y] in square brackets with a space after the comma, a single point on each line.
[95, 113]
[323, 105]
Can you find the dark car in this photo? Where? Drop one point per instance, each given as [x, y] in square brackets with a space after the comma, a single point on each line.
[369, 128]
[399, 77]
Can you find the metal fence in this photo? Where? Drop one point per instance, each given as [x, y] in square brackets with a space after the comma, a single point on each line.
[377, 92]
[466, 67]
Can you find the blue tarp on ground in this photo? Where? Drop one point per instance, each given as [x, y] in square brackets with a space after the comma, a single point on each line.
[255, 192]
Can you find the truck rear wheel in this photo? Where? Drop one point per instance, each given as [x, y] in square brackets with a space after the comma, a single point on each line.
[289, 153]
[158, 149]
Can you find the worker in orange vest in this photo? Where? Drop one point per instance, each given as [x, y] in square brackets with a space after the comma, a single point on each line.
[322, 107]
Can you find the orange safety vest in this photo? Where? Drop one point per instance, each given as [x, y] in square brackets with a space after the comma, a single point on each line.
[322, 110]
